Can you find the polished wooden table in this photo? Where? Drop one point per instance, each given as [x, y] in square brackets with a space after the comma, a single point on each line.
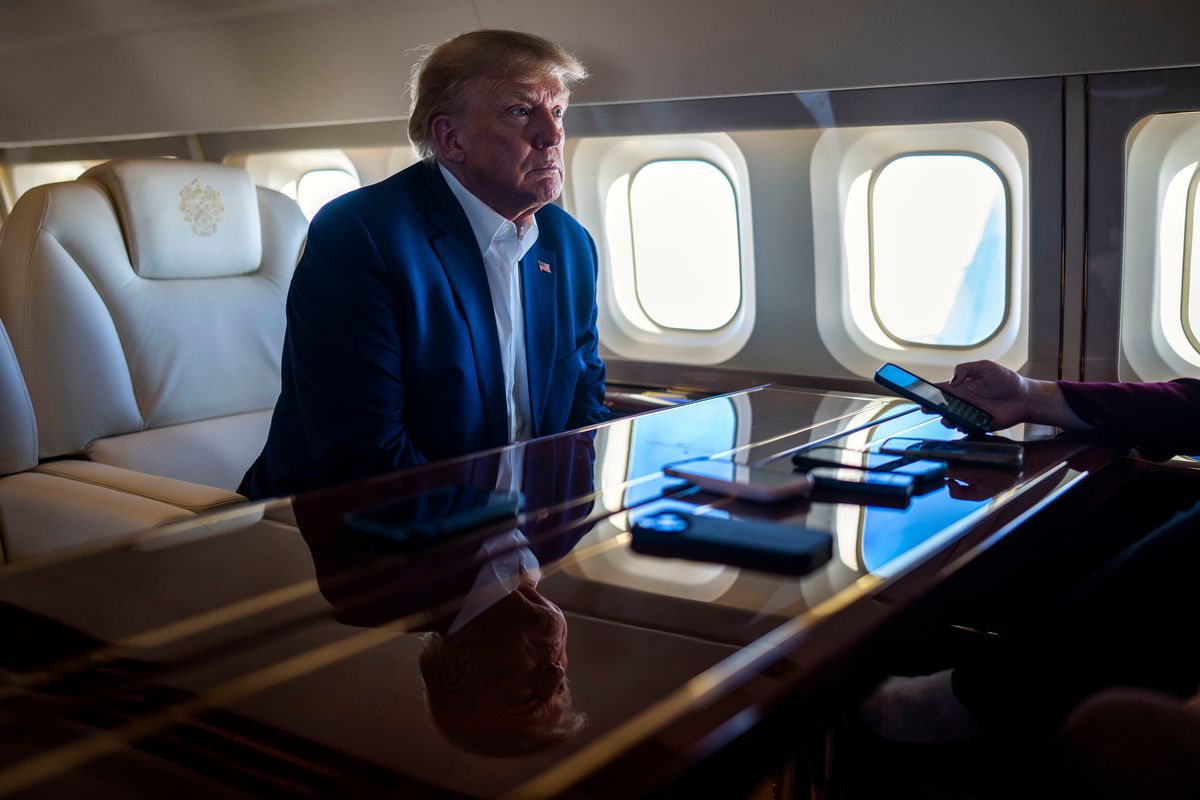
[264, 650]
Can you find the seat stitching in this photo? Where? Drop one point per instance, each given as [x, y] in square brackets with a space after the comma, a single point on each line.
[30, 416]
[26, 293]
[182, 517]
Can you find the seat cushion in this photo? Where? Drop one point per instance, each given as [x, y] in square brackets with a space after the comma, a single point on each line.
[214, 452]
[41, 514]
[192, 497]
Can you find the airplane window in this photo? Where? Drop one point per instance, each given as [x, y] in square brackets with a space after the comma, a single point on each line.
[683, 216]
[1191, 286]
[674, 222]
[939, 249]
[1160, 306]
[319, 186]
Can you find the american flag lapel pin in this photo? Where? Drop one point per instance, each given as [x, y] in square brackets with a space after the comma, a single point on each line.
[544, 267]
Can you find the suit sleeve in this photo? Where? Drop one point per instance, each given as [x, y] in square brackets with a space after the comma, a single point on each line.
[1159, 419]
[587, 406]
[345, 352]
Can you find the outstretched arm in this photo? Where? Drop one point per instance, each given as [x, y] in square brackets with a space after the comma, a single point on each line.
[1011, 398]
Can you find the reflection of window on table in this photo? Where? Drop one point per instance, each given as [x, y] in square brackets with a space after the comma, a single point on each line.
[690, 431]
[889, 533]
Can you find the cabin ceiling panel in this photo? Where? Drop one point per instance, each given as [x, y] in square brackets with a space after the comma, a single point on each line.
[31, 24]
[87, 69]
[696, 48]
[301, 63]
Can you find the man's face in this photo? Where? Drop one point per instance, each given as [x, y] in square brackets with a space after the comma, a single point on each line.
[519, 662]
[510, 139]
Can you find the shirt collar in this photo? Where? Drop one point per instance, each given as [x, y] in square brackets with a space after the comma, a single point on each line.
[486, 223]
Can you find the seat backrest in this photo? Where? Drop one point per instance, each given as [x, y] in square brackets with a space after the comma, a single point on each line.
[149, 293]
[18, 429]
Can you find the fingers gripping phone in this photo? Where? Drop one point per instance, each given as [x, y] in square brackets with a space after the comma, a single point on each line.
[934, 399]
[764, 546]
[739, 480]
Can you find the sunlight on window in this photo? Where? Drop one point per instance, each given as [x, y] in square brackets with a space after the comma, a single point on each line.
[318, 187]
[939, 248]
[27, 176]
[687, 265]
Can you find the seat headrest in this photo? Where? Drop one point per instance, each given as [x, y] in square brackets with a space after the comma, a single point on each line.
[184, 219]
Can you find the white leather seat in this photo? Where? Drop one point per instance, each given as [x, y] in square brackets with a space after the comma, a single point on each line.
[145, 302]
[62, 504]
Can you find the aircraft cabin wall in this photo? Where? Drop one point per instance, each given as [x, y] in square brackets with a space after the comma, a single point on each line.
[964, 207]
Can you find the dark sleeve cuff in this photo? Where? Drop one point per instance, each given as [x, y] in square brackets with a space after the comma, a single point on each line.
[1159, 419]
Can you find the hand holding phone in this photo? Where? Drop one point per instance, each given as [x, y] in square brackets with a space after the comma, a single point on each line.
[739, 480]
[764, 546]
[934, 399]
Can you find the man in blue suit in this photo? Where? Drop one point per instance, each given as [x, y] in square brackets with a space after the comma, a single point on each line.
[452, 307]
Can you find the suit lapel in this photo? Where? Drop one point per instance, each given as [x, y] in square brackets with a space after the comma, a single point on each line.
[455, 245]
[539, 276]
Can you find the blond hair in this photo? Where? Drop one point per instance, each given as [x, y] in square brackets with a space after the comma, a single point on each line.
[441, 77]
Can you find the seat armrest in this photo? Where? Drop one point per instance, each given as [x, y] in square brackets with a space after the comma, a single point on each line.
[193, 497]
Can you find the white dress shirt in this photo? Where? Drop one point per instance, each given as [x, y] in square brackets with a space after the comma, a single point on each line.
[501, 250]
[501, 575]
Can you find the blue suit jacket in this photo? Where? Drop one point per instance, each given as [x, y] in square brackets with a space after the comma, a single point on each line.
[391, 357]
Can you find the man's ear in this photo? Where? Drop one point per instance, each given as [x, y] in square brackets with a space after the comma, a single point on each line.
[455, 666]
[447, 139]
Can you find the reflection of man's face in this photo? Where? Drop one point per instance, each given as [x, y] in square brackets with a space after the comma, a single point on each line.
[511, 136]
[518, 661]
[499, 685]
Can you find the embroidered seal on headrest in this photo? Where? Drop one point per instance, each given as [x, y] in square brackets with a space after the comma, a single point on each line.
[201, 207]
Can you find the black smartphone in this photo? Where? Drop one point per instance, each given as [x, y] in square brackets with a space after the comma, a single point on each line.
[1007, 455]
[926, 474]
[862, 483]
[739, 480]
[763, 546]
[421, 520]
[933, 399]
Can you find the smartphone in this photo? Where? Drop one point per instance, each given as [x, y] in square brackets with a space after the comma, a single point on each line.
[960, 451]
[764, 546]
[739, 480]
[862, 483]
[925, 473]
[410, 523]
[933, 399]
